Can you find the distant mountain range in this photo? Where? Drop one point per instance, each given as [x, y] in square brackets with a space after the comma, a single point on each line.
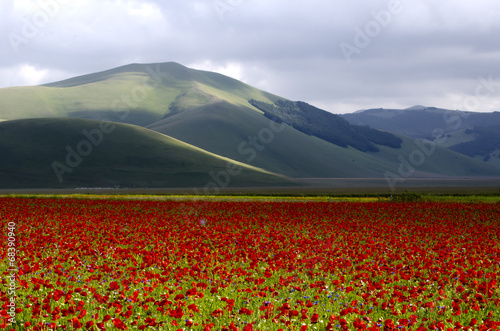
[166, 125]
[469, 133]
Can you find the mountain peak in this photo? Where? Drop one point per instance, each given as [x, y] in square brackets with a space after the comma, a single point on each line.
[417, 107]
[172, 68]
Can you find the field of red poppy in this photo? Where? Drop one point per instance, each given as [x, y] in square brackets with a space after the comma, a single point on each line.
[94, 264]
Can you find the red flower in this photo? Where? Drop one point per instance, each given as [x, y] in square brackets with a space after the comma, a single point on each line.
[76, 323]
[217, 313]
[82, 314]
[177, 313]
[119, 324]
[113, 286]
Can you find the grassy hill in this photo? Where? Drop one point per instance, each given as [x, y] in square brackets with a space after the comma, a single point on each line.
[224, 118]
[220, 129]
[57, 153]
[136, 94]
[143, 94]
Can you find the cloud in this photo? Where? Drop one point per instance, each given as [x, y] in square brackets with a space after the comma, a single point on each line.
[425, 52]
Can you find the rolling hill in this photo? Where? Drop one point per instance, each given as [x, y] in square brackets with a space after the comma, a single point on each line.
[62, 153]
[209, 120]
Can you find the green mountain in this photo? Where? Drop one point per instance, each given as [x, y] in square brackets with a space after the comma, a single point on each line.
[137, 94]
[146, 94]
[208, 120]
[469, 133]
[62, 153]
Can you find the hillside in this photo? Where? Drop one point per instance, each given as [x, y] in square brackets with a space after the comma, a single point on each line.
[484, 144]
[320, 123]
[469, 133]
[57, 153]
[221, 130]
[144, 94]
[136, 94]
[421, 122]
[211, 116]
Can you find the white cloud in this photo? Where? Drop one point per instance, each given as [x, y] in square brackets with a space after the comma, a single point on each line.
[24, 74]
[231, 69]
[429, 54]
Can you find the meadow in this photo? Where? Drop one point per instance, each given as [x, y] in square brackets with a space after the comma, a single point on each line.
[143, 264]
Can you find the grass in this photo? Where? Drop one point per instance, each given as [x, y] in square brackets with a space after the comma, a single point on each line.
[180, 86]
[264, 198]
[129, 156]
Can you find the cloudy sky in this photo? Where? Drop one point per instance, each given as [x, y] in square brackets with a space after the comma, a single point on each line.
[341, 55]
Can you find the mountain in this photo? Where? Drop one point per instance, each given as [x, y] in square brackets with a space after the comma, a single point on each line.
[67, 152]
[421, 122]
[137, 94]
[481, 142]
[469, 133]
[145, 95]
[219, 120]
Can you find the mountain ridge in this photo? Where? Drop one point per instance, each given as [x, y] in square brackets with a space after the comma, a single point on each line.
[474, 134]
[275, 138]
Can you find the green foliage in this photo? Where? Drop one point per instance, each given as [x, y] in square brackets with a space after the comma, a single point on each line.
[327, 126]
[407, 196]
[487, 141]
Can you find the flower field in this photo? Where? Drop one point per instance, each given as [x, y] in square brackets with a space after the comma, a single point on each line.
[93, 264]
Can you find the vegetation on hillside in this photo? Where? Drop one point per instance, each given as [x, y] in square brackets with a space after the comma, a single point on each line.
[487, 140]
[327, 126]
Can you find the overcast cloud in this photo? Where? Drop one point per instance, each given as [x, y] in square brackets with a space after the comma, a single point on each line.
[340, 55]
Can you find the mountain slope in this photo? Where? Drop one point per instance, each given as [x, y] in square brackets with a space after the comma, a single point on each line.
[320, 123]
[483, 143]
[249, 137]
[213, 112]
[136, 94]
[469, 133]
[421, 122]
[143, 94]
[74, 153]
